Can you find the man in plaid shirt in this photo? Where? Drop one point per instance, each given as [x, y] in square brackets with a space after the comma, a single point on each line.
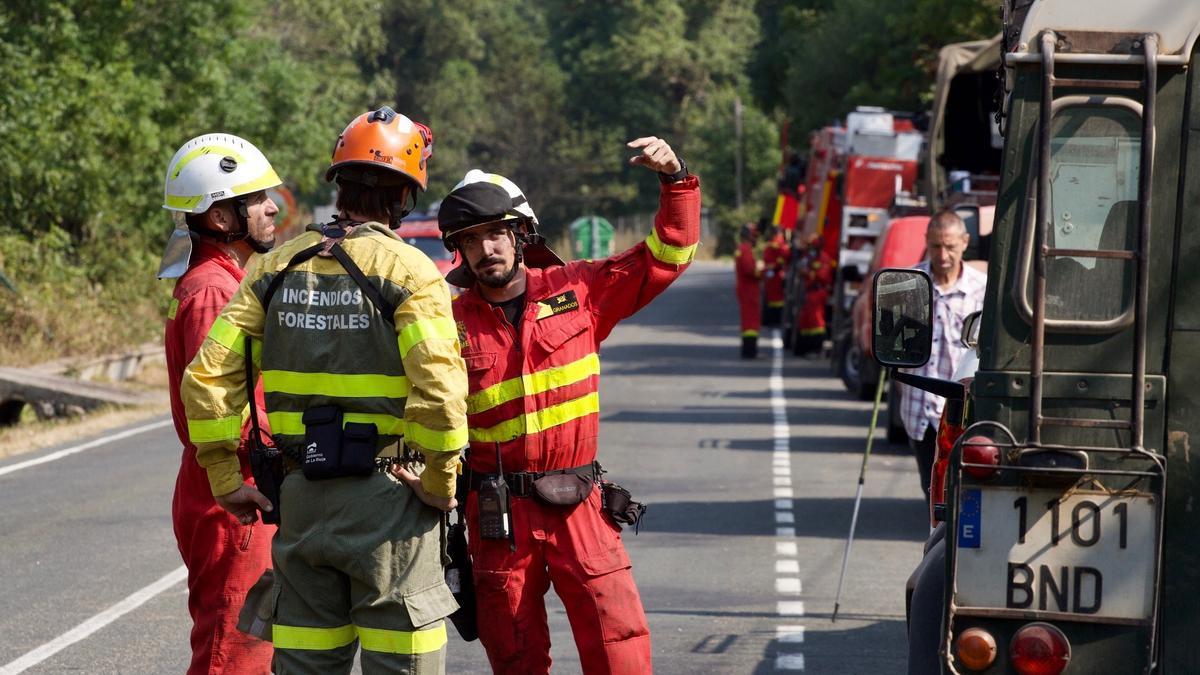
[957, 291]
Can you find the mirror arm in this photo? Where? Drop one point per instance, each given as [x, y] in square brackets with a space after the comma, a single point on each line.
[944, 388]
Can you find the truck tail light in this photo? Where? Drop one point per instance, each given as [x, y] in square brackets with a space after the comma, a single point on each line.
[975, 648]
[1039, 649]
[948, 432]
[980, 450]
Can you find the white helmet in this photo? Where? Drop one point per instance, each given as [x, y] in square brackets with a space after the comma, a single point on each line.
[207, 169]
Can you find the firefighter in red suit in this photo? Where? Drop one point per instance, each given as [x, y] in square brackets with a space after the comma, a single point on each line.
[818, 270]
[776, 255]
[748, 271]
[531, 329]
[218, 183]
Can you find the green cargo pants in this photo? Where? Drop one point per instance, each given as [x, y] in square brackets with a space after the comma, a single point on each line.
[358, 561]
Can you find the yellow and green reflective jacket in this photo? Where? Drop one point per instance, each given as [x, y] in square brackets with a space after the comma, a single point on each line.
[321, 341]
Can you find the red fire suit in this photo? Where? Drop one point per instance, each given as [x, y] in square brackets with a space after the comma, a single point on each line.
[818, 282]
[775, 259]
[749, 290]
[536, 394]
[223, 557]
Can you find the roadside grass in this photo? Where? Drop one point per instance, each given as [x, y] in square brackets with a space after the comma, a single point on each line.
[33, 434]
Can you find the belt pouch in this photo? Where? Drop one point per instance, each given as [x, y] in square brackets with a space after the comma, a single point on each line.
[563, 489]
[359, 442]
[322, 442]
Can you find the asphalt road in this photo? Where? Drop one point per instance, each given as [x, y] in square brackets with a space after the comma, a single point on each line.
[749, 469]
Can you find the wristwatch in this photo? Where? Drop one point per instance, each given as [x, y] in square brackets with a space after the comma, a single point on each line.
[677, 176]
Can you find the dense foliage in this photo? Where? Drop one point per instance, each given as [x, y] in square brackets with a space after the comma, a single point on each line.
[98, 95]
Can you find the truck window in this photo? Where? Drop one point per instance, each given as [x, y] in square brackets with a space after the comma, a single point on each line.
[1094, 162]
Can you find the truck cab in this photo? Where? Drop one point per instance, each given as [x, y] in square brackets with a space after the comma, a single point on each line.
[1071, 516]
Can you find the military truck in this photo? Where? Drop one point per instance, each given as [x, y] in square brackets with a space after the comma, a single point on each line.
[1070, 543]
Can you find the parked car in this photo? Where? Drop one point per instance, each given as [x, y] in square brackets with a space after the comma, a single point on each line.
[424, 234]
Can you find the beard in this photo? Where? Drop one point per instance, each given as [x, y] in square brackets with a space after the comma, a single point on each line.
[495, 279]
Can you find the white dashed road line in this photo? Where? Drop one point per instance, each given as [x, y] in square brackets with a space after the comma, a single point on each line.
[788, 586]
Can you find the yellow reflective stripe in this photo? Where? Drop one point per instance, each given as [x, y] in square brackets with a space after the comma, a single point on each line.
[534, 383]
[402, 641]
[200, 152]
[183, 201]
[304, 637]
[228, 335]
[540, 420]
[213, 431]
[335, 384]
[672, 255]
[268, 180]
[172, 309]
[425, 329]
[432, 439]
[292, 423]
[749, 333]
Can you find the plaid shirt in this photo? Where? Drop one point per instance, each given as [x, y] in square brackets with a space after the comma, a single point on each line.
[920, 409]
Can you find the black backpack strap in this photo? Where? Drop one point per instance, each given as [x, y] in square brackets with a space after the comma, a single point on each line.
[297, 259]
[356, 273]
[384, 307]
[256, 438]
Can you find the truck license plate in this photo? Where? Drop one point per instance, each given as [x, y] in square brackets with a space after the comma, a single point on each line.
[1087, 553]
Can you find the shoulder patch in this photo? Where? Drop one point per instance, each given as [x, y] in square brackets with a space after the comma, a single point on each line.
[558, 304]
[462, 334]
[172, 309]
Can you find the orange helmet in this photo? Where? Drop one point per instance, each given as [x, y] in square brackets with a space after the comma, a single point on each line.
[382, 139]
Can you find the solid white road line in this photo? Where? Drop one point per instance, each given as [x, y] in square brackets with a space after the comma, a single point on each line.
[87, 628]
[85, 446]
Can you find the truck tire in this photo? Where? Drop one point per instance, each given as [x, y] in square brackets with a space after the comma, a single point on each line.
[855, 374]
[925, 607]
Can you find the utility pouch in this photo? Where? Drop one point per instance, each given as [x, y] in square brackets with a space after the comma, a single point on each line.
[358, 448]
[258, 610]
[618, 503]
[563, 489]
[322, 442]
[266, 465]
[493, 500]
[460, 577]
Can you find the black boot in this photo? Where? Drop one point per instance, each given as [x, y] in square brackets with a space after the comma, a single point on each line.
[749, 346]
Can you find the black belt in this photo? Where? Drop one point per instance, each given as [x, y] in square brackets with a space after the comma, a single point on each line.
[292, 462]
[520, 483]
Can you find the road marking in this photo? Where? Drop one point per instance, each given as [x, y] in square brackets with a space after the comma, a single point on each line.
[85, 446]
[789, 662]
[87, 628]
[790, 608]
[788, 583]
[789, 633]
[787, 586]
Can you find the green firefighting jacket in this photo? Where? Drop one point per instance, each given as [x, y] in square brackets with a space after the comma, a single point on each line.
[320, 342]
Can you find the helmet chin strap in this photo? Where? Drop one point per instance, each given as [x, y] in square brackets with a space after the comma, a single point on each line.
[242, 234]
[400, 210]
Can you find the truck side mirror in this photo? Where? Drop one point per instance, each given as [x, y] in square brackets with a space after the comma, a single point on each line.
[902, 335]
